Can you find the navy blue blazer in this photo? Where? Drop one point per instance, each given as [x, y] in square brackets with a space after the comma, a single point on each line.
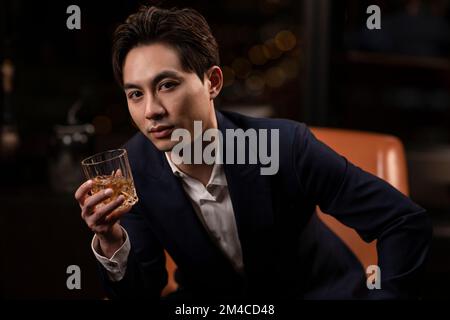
[287, 251]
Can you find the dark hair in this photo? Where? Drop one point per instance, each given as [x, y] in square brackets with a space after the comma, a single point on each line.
[185, 30]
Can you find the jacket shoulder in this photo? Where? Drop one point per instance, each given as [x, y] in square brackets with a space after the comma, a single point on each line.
[286, 126]
[290, 132]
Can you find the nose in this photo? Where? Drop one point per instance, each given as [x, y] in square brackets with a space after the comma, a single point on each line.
[154, 109]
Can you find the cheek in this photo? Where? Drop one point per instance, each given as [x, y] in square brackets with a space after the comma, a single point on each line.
[135, 115]
[181, 103]
[197, 102]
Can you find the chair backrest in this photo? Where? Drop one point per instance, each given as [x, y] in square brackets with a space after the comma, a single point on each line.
[172, 284]
[380, 154]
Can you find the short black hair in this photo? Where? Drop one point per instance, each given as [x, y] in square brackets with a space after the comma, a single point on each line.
[185, 30]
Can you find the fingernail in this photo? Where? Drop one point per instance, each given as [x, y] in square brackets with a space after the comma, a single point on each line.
[120, 198]
[108, 192]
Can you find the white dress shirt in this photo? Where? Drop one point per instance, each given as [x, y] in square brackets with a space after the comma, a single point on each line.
[213, 207]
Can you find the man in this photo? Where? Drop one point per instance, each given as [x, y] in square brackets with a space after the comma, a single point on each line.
[232, 231]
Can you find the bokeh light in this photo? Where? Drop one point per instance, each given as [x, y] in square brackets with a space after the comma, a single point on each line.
[258, 55]
[275, 77]
[285, 40]
[255, 84]
[272, 49]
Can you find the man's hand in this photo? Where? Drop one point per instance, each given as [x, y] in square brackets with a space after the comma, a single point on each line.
[101, 218]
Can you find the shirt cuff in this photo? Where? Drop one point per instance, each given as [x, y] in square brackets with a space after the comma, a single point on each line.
[117, 264]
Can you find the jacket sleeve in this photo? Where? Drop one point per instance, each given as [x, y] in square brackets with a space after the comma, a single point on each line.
[372, 207]
[145, 275]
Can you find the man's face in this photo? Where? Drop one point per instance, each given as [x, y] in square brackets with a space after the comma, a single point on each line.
[162, 96]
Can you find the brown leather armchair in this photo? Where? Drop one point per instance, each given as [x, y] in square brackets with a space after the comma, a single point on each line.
[379, 154]
[171, 285]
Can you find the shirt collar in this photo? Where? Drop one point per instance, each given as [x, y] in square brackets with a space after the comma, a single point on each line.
[217, 174]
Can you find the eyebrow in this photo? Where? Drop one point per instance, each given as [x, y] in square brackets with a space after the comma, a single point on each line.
[156, 79]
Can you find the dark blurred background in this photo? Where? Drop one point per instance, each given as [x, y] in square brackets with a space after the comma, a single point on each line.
[309, 60]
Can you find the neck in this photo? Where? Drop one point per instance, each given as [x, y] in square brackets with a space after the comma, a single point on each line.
[201, 172]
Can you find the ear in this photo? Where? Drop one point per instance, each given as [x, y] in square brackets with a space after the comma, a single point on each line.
[214, 76]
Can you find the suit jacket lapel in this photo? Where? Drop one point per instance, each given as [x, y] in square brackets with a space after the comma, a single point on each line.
[250, 194]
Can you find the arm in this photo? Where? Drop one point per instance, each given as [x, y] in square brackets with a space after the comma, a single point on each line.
[144, 265]
[145, 274]
[369, 205]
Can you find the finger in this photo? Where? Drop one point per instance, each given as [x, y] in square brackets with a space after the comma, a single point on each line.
[107, 209]
[118, 173]
[94, 200]
[82, 192]
[101, 220]
[117, 214]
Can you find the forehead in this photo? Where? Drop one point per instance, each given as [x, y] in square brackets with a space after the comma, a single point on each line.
[145, 61]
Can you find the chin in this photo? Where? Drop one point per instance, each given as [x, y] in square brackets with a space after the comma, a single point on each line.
[164, 146]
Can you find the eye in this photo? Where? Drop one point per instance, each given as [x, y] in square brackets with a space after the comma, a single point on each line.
[133, 95]
[167, 85]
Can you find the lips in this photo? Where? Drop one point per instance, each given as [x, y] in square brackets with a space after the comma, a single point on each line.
[161, 132]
